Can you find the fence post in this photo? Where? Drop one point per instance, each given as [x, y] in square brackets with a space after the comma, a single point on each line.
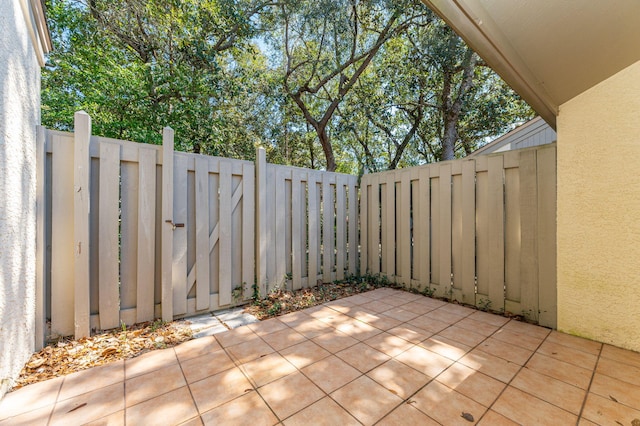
[41, 154]
[81, 170]
[167, 224]
[261, 220]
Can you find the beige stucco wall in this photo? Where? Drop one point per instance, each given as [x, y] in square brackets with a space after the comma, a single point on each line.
[19, 115]
[599, 212]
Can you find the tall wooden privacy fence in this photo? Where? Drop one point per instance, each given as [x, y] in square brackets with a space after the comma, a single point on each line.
[480, 231]
[130, 232]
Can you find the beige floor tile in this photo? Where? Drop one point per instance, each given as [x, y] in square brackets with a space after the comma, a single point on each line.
[405, 414]
[490, 365]
[150, 385]
[399, 378]
[472, 384]
[488, 318]
[197, 347]
[248, 351]
[382, 322]
[325, 412]
[235, 336]
[525, 328]
[330, 373]
[445, 347]
[568, 373]
[462, 335]
[204, 366]
[567, 354]
[418, 308]
[267, 369]
[574, 342]
[339, 305]
[330, 316]
[89, 406]
[585, 422]
[428, 324]
[623, 392]
[293, 317]
[551, 390]
[444, 316]
[526, 409]
[216, 390]
[518, 339]
[431, 303]
[283, 339]
[311, 327]
[621, 355]
[335, 341]
[410, 333]
[89, 380]
[395, 300]
[445, 405]
[149, 362]
[624, 372]
[249, 409]
[462, 311]
[358, 329]
[605, 411]
[171, 408]
[362, 357]
[115, 419]
[290, 394]
[38, 416]
[478, 327]
[304, 354]
[376, 306]
[267, 326]
[366, 400]
[505, 351]
[358, 299]
[491, 418]
[196, 421]
[30, 398]
[400, 314]
[427, 362]
[388, 344]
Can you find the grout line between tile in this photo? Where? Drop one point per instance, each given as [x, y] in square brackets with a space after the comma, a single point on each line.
[593, 375]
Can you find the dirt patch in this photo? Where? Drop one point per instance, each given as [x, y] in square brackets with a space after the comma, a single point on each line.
[68, 356]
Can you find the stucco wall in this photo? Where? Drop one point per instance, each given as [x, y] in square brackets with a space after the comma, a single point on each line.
[19, 115]
[599, 212]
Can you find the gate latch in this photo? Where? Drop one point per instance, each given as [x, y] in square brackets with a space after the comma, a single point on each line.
[174, 225]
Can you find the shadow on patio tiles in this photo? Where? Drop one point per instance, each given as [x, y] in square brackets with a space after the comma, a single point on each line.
[385, 357]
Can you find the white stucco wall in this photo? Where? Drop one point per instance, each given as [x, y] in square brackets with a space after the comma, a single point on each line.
[19, 115]
[599, 212]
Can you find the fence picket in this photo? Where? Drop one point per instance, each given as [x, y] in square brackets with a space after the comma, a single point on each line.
[202, 233]
[496, 231]
[81, 194]
[108, 260]
[314, 229]
[403, 214]
[180, 280]
[341, 228]
[167, 224]
[146, 235]
[224, 283]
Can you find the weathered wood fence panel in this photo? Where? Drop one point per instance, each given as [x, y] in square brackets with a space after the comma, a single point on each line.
[308, 225]
[479, 231]
[131, 232]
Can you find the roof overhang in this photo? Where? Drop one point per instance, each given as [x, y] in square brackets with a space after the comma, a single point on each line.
[549, 51]
[36, 22]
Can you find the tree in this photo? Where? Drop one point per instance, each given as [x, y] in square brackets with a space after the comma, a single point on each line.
[326, 46]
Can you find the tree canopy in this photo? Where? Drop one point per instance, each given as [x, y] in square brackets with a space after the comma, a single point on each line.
[343, 85]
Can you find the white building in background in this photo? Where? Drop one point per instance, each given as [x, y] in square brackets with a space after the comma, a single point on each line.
[24, 42]
[534, 132]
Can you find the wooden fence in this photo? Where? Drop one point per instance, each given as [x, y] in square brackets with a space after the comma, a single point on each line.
[480, 231]
[129, 232]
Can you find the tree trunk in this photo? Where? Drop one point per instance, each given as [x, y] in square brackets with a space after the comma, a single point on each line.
[449, 137]
[326, 148]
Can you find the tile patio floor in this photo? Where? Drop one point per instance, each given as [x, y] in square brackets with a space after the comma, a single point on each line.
[384, 357]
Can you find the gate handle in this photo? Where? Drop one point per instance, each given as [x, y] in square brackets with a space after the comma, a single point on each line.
[174, 225]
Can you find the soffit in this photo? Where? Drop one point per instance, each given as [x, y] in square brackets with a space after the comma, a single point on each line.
[549, 51]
